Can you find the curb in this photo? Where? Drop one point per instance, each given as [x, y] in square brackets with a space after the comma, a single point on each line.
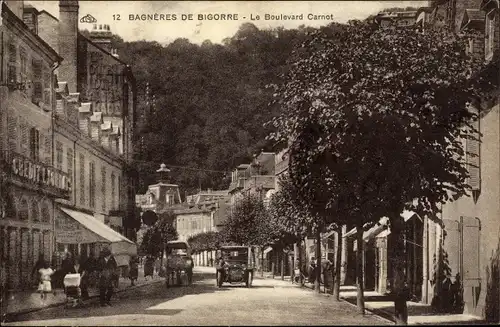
[11, 315]
[386, 317]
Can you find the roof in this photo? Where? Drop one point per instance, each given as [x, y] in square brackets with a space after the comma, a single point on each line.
[62, 87]
[85, 107]
[96, 226]
[473, 18]
[96, 117]
[234, 247]
[11, 15]
[103, 50]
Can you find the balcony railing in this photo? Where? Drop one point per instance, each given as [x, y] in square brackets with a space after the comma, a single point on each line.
[39, 176]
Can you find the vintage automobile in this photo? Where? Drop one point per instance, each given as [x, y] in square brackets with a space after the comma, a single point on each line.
[235, 266]
[179, 263]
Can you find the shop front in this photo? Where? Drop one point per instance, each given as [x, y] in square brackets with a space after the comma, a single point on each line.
[28, 190]
[82, 234]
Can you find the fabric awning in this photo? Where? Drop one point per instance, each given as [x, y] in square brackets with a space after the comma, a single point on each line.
[93, 231]
[268, 249]
[406, 215]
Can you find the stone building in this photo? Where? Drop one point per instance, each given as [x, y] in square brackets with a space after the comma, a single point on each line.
[105, 88]
[30, 182]
[92, 120]
[399, 18]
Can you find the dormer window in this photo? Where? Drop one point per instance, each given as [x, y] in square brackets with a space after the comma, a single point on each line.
[490, 34]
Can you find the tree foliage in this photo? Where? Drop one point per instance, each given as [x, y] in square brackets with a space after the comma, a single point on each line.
[210, 102]
[371, 121]
[156, 237]
[248, 223]
[207, 241]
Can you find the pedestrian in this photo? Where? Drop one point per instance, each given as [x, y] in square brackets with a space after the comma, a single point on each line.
[3, 288]
[157, 267]
[148, 267]
[45, 286]
[312, 271]
[38, 265]
[89, 265]
[78, 268]
[107, 268]
[134, 269]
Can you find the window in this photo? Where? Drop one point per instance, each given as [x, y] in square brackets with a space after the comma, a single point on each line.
[23, 58]
[113, 191]
[103, 187]
[490, 34]
[23, 209]
[47, 80]
[45, 213]
[69, 158]
[92, 184]
[82, 179]
[34, 211]
[13, 130]
[37, 94]
[59, 155]
[11, 66]
[34, 144]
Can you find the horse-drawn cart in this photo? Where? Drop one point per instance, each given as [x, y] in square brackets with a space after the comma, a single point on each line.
[179, 263]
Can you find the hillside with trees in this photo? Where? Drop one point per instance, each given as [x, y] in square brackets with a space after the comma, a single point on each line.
[210, 102]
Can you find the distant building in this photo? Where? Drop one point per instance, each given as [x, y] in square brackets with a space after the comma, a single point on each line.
[399, 18]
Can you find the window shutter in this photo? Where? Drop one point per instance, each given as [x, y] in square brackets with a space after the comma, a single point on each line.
[473, 158]
[24, 137]
[13, 130]
[452, 245]
[103, 188]
[12, 69]
[37, 95]
[471, 228]
[47, 140]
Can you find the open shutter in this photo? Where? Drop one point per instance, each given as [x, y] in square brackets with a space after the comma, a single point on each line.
[24, 137]
[473, 156]
[451, 246]
[471, 229]
[11, 67]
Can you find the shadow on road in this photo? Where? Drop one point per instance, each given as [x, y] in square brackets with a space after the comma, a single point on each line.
[135, 301]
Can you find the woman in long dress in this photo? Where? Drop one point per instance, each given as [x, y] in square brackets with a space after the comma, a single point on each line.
[149, 267]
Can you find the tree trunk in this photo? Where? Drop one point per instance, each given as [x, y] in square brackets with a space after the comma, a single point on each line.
[301, 277]
[282, 253]
[338, 266]
[262, 262]
[360, 300]
[399, 288]
[317, 282]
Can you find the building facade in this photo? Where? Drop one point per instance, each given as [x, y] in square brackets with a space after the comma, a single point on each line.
[30, 183]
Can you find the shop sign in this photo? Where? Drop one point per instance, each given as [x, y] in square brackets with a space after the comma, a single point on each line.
[40, 174]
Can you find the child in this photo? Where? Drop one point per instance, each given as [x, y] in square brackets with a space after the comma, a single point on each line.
[45, 284]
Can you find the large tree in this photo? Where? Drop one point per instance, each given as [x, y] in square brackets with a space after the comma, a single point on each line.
[156, 237]
[374, 118]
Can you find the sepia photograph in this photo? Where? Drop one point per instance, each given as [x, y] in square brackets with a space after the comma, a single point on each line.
[249, 163]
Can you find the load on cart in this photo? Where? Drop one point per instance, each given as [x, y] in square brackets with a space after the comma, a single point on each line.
[72, 289]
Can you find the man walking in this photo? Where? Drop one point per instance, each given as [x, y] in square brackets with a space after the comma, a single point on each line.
[107, 268]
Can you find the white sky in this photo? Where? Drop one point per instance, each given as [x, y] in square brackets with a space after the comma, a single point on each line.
[216, 31]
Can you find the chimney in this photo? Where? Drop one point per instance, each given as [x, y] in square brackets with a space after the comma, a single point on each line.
[95, 126]
[30, 17]
[101, 35]
[106, 130]
[68, 44]
[84, 114]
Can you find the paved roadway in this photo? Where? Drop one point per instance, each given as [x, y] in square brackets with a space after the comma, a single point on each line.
[268, 302]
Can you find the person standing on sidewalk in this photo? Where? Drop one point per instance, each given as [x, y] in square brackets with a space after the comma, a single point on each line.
[107, 268]
[134, 269]
[45, 285]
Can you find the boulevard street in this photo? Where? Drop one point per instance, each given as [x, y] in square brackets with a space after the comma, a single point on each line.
[268, 302]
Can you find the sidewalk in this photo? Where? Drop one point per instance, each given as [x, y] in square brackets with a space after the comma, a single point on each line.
[29, 301]
[418, 313]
